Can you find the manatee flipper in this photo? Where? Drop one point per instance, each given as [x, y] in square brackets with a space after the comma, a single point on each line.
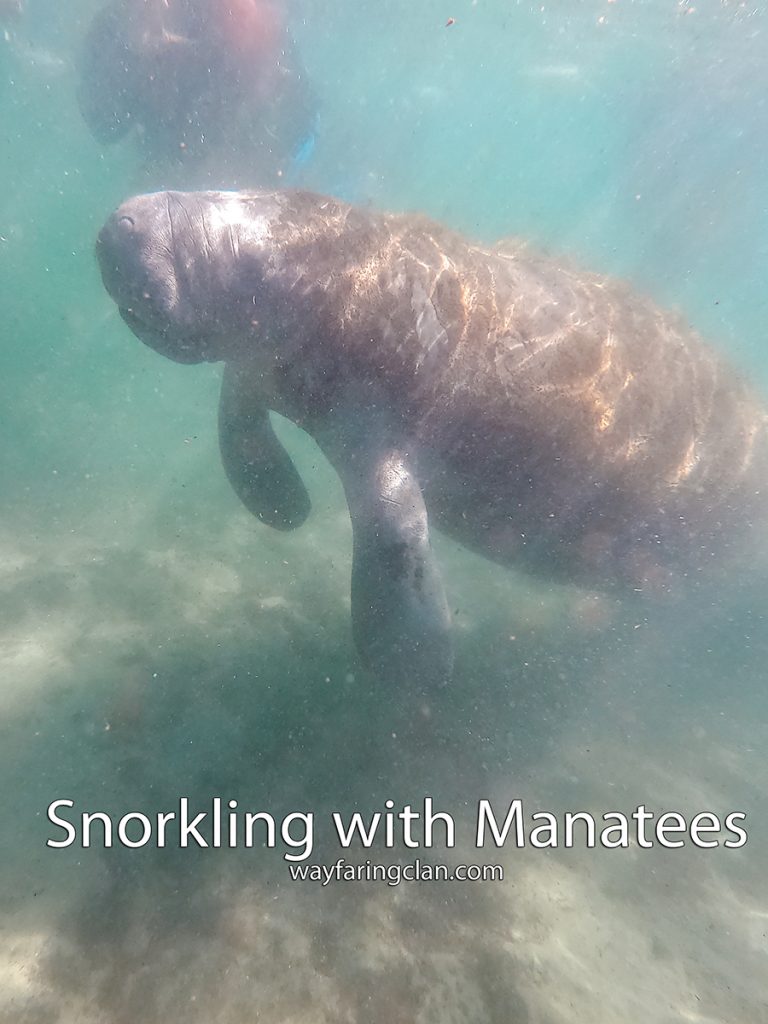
[400, 615]
[259, 469]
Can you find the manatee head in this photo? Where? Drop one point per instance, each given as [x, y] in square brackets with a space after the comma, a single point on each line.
[199, 275]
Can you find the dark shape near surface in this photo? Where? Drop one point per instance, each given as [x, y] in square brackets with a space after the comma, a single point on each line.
[545, 417]
[196, 83]
[10, 10]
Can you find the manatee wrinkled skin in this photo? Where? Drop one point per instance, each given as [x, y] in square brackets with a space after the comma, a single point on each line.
[544, 417]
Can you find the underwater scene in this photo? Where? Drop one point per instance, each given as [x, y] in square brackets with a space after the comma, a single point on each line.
[384, 533]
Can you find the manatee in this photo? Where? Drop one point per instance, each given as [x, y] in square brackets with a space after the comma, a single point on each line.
[545, 417]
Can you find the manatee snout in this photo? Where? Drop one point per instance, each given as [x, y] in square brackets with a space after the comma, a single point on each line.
[187, 269]
[125, 248]
[141, 258]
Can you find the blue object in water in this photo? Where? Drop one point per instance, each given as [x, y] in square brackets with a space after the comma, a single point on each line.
[303, 152]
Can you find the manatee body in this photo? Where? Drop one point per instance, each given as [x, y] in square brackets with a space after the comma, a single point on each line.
[544, 417]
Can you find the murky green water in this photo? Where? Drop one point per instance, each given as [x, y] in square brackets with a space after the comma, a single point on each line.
[157, 642]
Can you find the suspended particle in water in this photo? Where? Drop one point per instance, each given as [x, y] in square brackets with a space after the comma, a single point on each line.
[451, 21]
